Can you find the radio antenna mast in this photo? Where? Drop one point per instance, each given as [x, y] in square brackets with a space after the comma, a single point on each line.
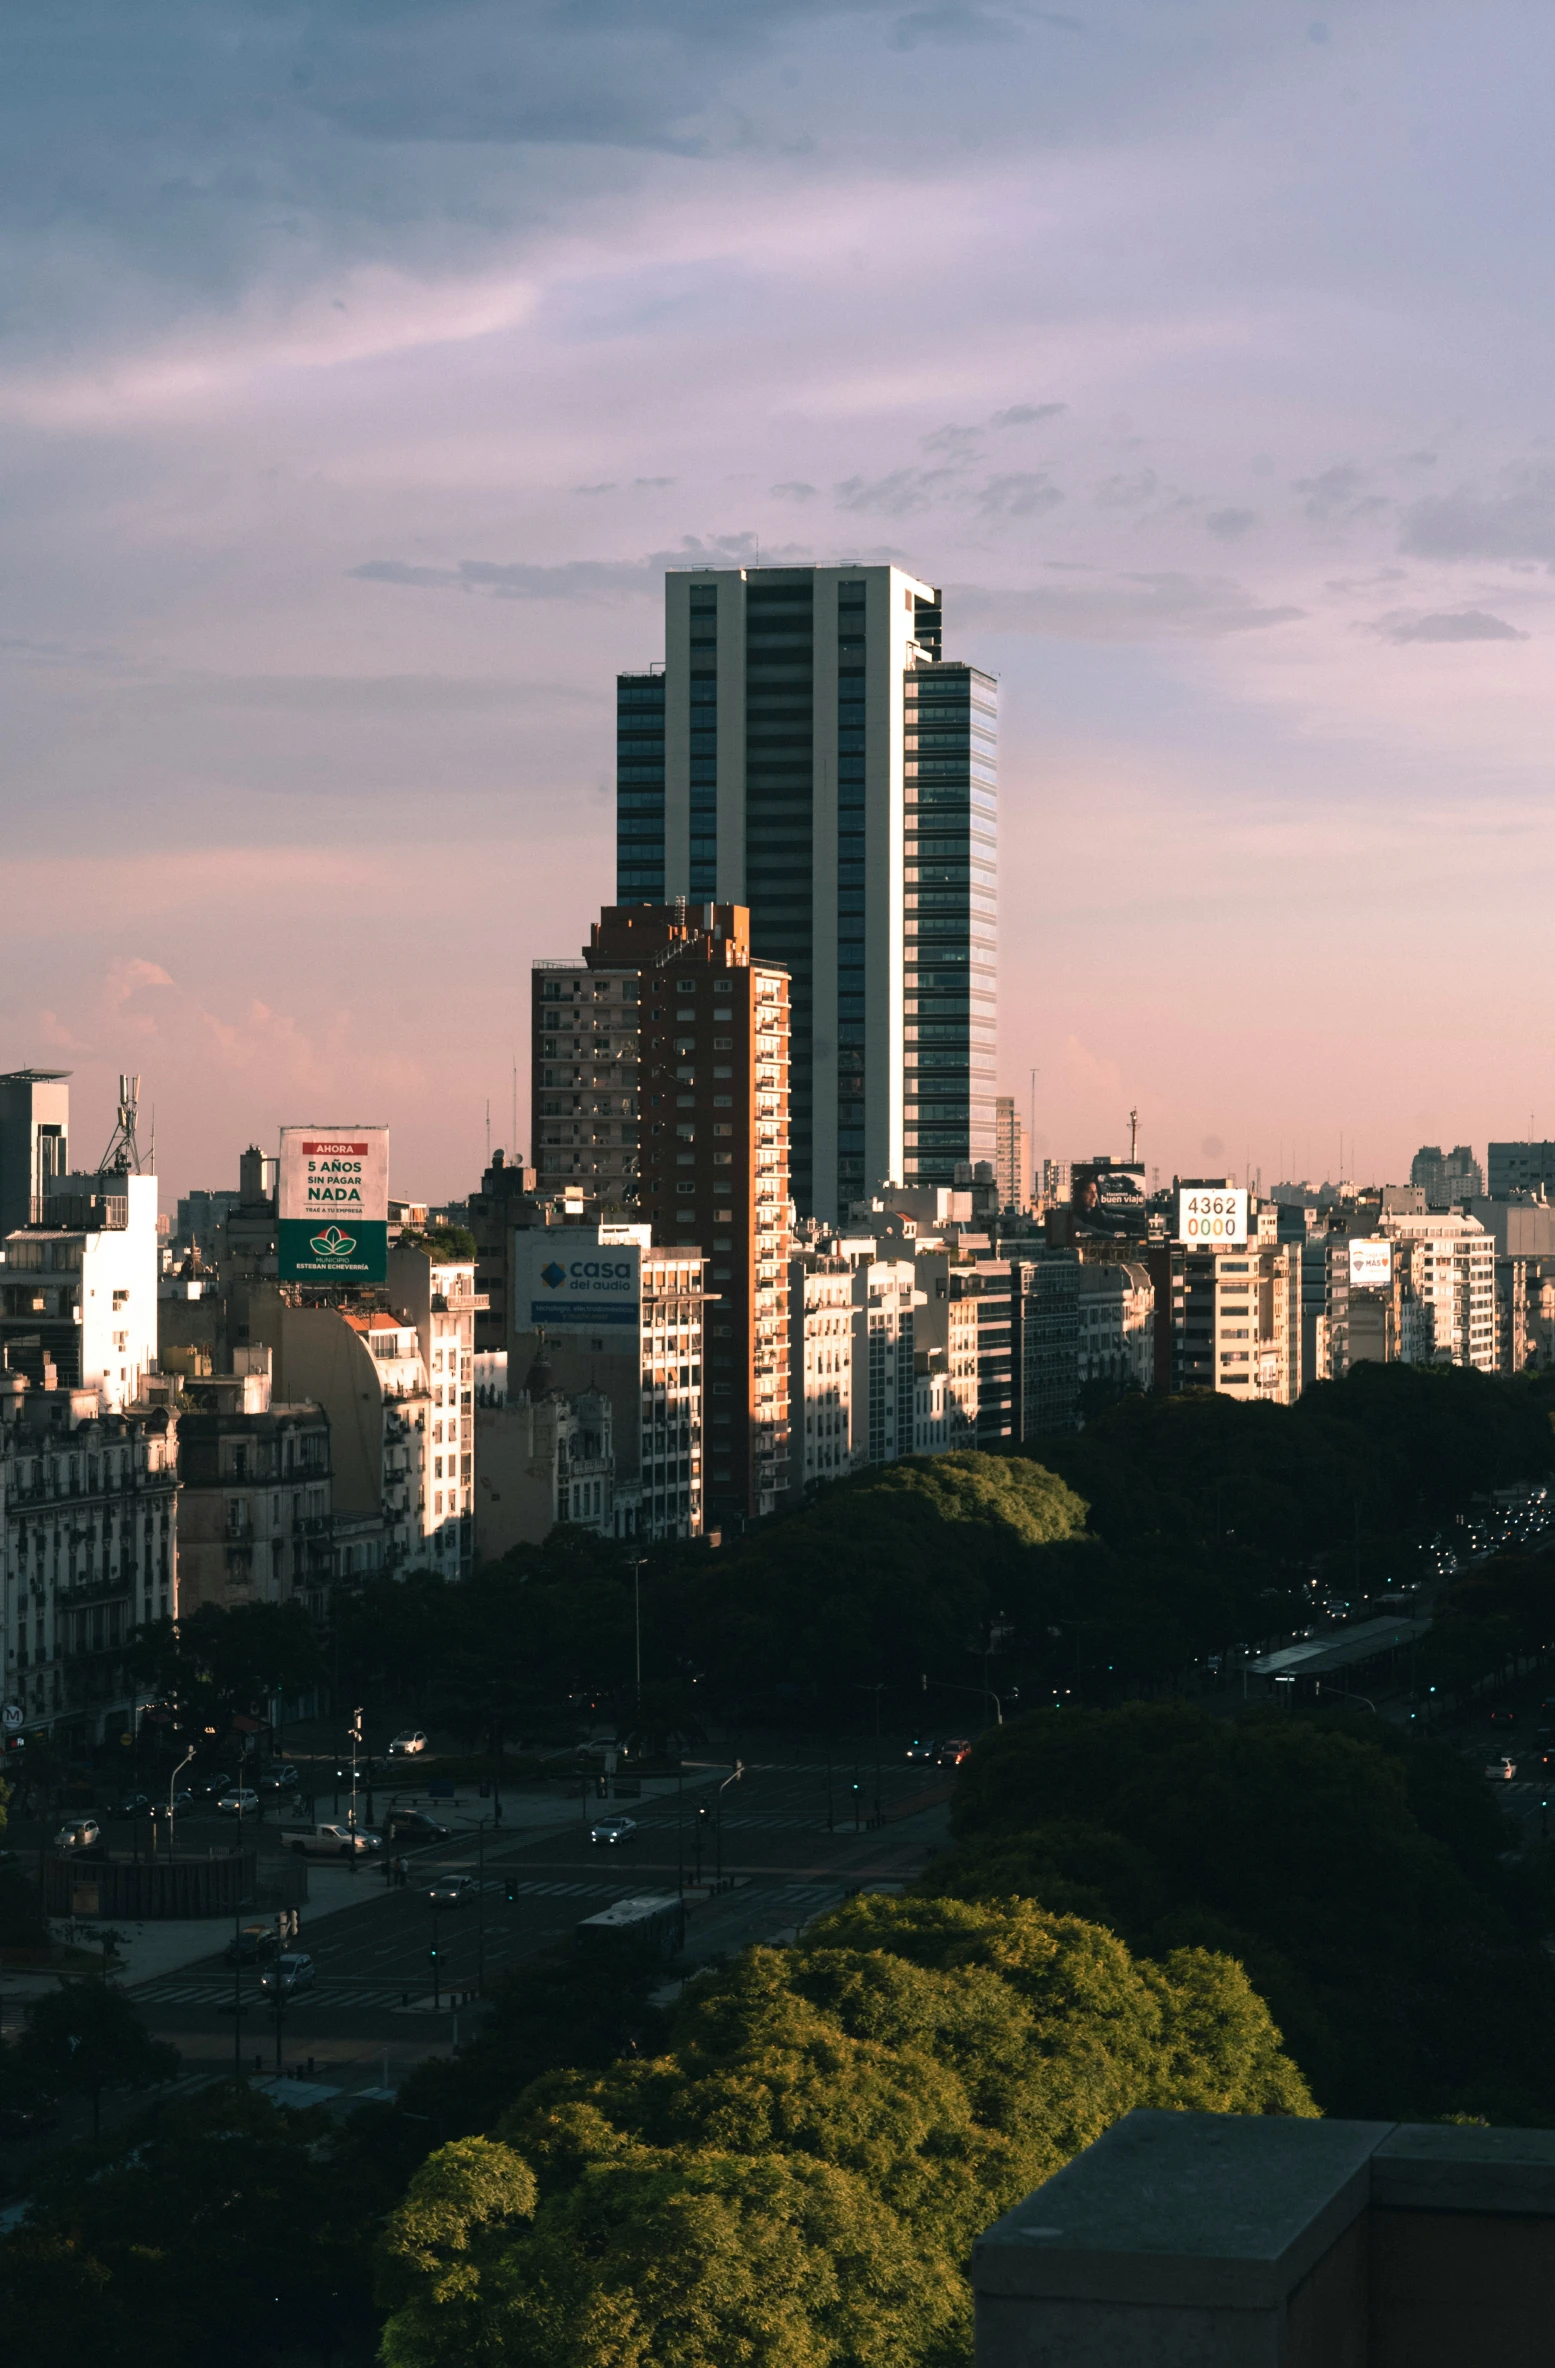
[122, 1157]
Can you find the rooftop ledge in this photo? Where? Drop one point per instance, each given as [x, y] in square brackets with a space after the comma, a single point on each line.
[1187, 2238]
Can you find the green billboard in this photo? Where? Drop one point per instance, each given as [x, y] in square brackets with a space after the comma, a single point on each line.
[333, 1204]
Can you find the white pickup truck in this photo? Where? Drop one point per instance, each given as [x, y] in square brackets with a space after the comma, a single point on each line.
[329, 1841]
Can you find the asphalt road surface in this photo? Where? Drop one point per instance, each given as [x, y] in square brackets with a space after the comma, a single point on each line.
[794, 1839]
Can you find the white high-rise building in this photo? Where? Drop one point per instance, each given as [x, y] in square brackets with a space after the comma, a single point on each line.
[78, 1295]
[807, 752]
[1448, 1264]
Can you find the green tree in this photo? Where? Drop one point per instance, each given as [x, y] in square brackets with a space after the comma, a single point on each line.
[1354, 1868]
[223, 2229]
[86, 2037]
[220, 1663]
[799, 2176]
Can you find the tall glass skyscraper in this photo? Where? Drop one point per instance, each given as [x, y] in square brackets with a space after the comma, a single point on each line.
[808, 753]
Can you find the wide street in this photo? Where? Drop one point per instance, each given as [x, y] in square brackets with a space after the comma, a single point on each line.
[793, 1841]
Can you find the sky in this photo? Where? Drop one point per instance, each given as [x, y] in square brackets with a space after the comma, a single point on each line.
[362, 368]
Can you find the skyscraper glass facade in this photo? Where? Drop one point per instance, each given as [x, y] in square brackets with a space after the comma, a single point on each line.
[950, 924]
[852, 1182]
[704, 740]
[807, 752]
[779, 820]
[639, 789]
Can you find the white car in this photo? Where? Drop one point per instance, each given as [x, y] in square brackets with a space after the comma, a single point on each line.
[82, 1833]
[238, 1802]
[330, 1841]
[613, 1829]
[1503, 1770]
[406, 1746]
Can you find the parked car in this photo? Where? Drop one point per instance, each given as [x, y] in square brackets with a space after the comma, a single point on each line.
[79, 1833]
[413, 1825]
[449, 1891]
[922, 1750]
[287, 1975]
[408, 1745]
[952, 1754]
[613, 1829]
[237, 1802]
[254, 1943]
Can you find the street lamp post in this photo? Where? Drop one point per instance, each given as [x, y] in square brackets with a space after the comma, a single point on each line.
[437, 1995]
[986, 1692]
[637, 1622]
[172, 1787]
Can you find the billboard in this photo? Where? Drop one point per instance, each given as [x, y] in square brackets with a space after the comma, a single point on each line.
[333, 1204]
[1108, 1195]
[564, 1280]
[1212, 1216]
[1371, 1265]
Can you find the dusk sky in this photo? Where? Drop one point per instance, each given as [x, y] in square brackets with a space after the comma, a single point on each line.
[365, 366]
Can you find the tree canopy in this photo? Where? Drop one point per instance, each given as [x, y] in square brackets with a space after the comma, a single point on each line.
[799, 2175]
[1354, 1868]
[220, 1662]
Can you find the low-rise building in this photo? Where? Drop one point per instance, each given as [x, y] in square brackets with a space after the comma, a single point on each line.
[820, 1365]
[365, 1371]
[254, 1493]
[1115, 1324]
[88, 1554]
[1045, 1329]
[602, 1307]
[543, 1460]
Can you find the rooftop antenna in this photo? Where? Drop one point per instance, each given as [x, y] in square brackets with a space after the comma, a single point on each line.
[1133, 1138]
[488, 1130]
[122, 1157]
[514, 1136]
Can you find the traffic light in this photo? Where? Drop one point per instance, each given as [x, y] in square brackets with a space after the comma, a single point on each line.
[512, 1888]
[432, 1954]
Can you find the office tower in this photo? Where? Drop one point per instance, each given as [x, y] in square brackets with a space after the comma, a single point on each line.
[34, 1125]
[808, 754]
[1011, 1168]
[714, 1172]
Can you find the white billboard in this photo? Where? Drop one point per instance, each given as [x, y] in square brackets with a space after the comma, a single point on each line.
[1371, 1265]
[564, 1279]
[332, 1204]
[1212, 1216]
